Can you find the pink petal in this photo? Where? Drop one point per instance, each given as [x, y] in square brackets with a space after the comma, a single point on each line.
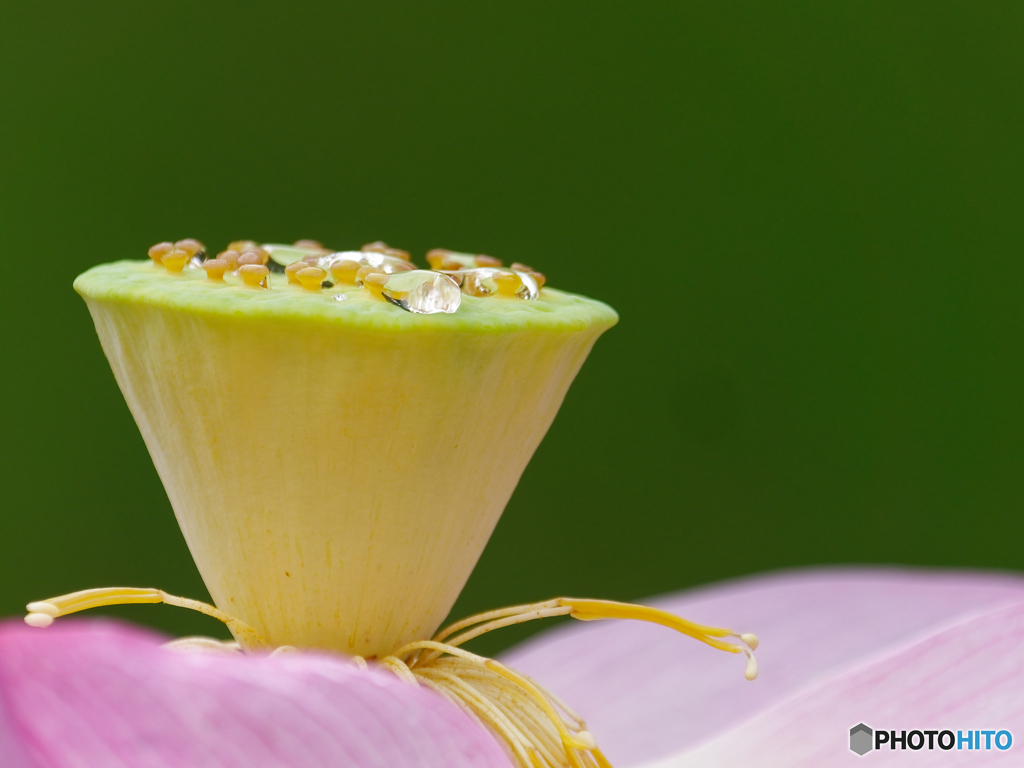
[969, 676]
[648, 693]
[93, 693]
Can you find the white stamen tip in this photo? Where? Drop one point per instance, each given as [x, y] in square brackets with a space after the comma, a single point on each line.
[751, 671]
[751, 640]
[586, 738]
[39, 620]
[48, 608]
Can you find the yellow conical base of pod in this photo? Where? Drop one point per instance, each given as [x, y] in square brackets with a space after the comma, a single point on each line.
[336, 467]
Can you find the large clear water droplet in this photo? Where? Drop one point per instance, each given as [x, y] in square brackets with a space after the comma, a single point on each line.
[423, 292]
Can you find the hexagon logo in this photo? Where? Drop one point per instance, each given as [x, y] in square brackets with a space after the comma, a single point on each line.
[861, 739]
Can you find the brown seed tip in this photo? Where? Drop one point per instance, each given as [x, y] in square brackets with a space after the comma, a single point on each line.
[437, 257]
[191, 246]
[248, 258]
[215, 268]
[156, 253]
[241, 246]
[253, 274]
[291, 269]
[308, 244]
[231, 257]
[539, 277]
[374, 282]
[379, 246]
[263, 255]
[483, 260]
[345, 271]
[175, 260]
[311, 278]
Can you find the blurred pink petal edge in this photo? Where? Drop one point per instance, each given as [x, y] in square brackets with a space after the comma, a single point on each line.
[894, 648]
[95, 693]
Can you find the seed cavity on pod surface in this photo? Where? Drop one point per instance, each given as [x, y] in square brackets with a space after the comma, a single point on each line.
[254, 275]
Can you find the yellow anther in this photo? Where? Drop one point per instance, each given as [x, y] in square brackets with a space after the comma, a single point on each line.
[345, 271]
[253, 275]
[508, 283]
[191, 246]
[291, 269]
[215, 268]
[175, 260]
[311, 278]
[482, 260]
[157, 252]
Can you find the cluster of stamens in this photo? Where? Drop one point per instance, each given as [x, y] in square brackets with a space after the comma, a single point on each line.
[538, 728]
[384, 273]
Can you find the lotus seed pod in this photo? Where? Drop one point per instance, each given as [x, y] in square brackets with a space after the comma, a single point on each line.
[348, 518]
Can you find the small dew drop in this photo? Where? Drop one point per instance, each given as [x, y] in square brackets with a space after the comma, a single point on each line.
[339, 296]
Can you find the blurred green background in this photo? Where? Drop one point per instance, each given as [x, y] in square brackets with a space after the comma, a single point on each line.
[808, 215]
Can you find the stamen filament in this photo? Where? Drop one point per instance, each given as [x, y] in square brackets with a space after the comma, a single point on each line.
[42, 614]
[538, 727]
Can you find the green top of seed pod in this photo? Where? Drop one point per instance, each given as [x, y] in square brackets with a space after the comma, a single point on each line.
[190, 290]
